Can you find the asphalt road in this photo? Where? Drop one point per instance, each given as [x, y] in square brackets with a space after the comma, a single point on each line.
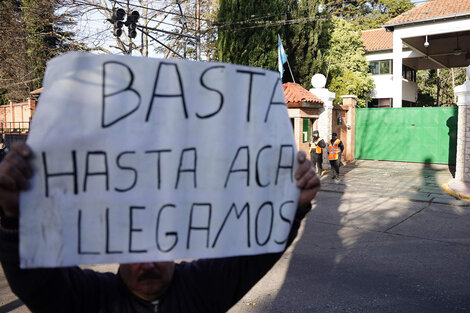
[385, 238]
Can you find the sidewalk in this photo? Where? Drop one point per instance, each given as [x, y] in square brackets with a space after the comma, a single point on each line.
[400, 180]
[458, 189]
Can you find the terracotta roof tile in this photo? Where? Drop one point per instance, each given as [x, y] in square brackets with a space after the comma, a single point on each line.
[36, 92]
[377, 39]
[432, 9]
[295, 93]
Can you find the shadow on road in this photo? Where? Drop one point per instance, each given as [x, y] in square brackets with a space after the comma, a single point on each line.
[11, 306]
[372, 252]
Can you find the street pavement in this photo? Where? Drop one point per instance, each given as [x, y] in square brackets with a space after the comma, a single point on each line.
[384, 238]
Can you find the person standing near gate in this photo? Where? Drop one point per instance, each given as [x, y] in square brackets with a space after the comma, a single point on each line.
[316, 151]
[335, 149]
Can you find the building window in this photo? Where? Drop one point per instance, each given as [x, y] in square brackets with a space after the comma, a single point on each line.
[374, 68]
[380, 103]
[380, 67]
[409, 73]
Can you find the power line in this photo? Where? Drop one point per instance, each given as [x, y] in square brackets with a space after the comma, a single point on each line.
[139, 6]
[161, 43]
[163, 11]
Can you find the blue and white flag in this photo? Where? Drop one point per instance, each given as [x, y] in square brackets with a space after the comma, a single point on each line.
[281, 55]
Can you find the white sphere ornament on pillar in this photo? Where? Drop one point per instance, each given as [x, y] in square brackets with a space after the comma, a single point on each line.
[318, 81]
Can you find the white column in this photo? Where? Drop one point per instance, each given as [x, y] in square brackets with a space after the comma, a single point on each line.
[325, 118]
[397, 71]
[462, 168]
[325, 114]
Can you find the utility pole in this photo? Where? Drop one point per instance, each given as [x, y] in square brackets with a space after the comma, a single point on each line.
[183, 22]
[129, 52]
[198, 30]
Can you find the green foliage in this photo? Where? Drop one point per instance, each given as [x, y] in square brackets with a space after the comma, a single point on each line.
[307, 42]
[12, 52]
[436, 87]
[252, 44]
[30, 34]
[38, 20]
[366, 14]
[348, 68]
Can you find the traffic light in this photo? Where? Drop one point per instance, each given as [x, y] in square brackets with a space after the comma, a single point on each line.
[131, 23]
[116, 19]
[117, 28]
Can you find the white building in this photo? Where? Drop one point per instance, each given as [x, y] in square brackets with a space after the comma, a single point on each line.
[433, 35]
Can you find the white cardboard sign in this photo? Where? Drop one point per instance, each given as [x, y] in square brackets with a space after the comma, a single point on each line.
[140, 159]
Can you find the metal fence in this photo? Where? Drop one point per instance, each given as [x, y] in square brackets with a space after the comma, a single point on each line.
[14, 127]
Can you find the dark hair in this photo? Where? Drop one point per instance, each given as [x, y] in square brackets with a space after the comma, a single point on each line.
[334, 135]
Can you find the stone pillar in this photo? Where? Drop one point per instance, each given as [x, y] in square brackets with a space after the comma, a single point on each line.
[350, 142]
[325, 119]
[462, 168]
[325, 114]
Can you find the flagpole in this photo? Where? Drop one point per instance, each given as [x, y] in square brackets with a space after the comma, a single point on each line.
[290, 70]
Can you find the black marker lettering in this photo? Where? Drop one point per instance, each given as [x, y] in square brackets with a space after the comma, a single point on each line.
[108, 251]
[187, 170]
[132, 229]
[126, 168]
[164, 95]
[245, 169]
[104, 173]
[233, 208]
[159, 168]
[258, 180]
[79, 224]
[203, 84]
[285, 219]
[168, 233]
[128, 88]
[270, 205]
[73, 173]
[206, 228]
[250, 87]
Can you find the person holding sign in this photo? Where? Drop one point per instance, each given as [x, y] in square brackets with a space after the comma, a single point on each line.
[207, 285]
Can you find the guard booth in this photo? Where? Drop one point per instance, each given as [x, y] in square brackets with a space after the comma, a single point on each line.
[303, 109]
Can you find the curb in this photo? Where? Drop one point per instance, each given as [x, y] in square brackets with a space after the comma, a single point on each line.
[446, 188]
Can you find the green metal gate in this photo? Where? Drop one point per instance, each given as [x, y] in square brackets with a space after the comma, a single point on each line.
[427, 135]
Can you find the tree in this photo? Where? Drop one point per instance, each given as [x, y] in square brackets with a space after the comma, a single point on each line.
[31, 33]
[307, 41]
[166, 27]
[188, 22]
[13, 68]
[366, 14]
[436, 87]
[44, 34]
[248, 32]
[347, 65]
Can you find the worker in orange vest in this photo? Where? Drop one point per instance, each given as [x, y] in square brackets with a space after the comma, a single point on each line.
[316, 151]
[335, 149]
